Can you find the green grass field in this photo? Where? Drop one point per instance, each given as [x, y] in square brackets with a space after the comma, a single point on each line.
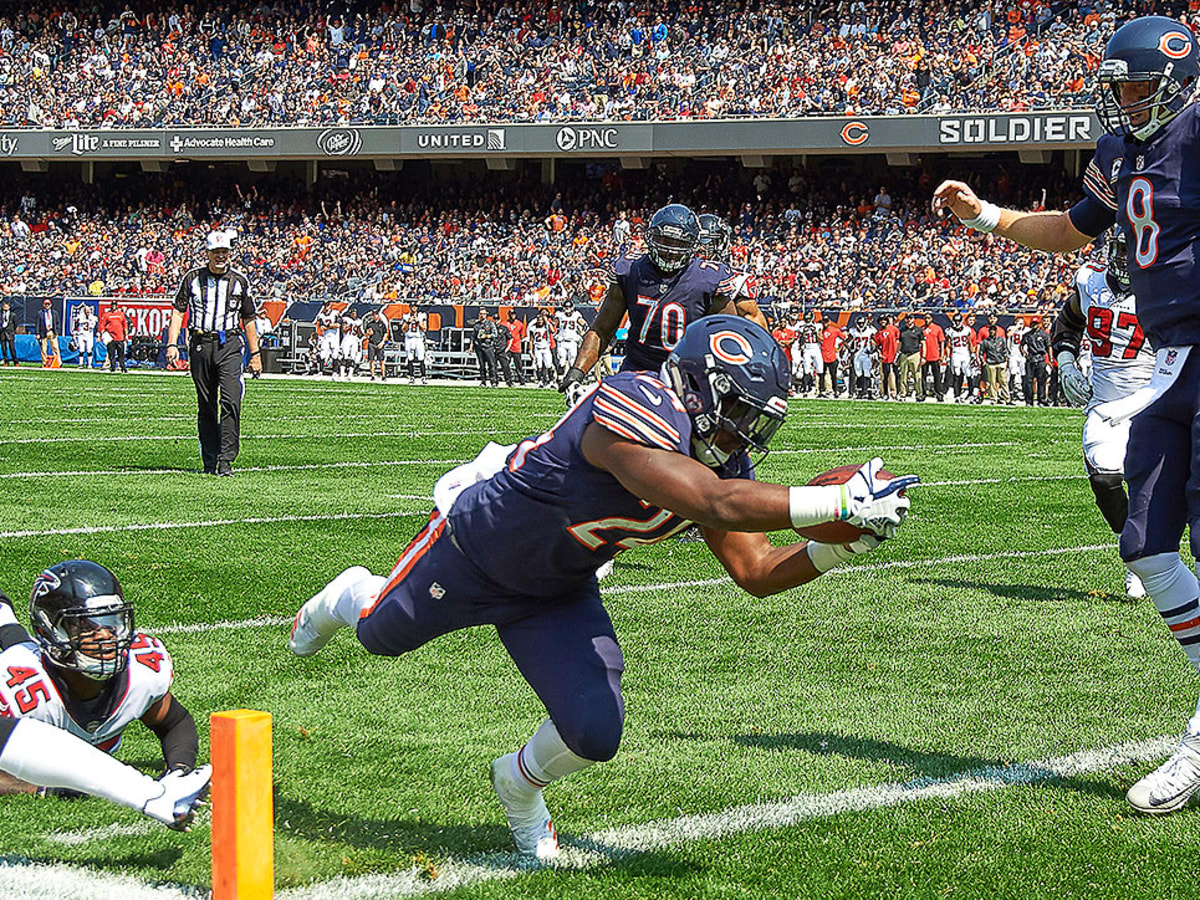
[937, 722]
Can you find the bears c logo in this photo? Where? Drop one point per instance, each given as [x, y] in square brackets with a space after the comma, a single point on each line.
[856, 133]
[731, 347]
[1175, 44]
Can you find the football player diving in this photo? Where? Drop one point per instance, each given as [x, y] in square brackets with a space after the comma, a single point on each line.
[67, 694]
[1143, 178]
[1103, 306]
[662, 291]
[516, 537]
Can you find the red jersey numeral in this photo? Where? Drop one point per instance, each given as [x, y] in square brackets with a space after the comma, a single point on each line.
[1124, 320]
[27, 700]
[18, 675]
[151, 659]
[1099, 326]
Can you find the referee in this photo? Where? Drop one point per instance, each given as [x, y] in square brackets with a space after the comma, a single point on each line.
[217, 302]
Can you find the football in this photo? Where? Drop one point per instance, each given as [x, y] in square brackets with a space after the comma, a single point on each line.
[838, 532]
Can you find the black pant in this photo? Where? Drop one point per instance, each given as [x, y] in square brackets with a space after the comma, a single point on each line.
[116, 355]
[505, 365]
[217, 370]
[8, 347]
[1035, 372]
[487, 364]
[514, 357]
[933, 369]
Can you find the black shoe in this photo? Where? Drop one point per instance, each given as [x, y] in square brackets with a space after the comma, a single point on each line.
[208, 470]
[224, 469]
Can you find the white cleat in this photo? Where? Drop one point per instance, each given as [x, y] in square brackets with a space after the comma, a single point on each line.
[182, 795]
[528, 819]
[604, 571]
[1134, 589]
[1168, 787]
[314, 624]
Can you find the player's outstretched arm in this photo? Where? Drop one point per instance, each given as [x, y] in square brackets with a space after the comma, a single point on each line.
[1053, 232]
[175, 729]
[598, 337]
[693, 491]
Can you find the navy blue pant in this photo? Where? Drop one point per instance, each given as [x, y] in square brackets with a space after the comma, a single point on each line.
[1162, 466]
[565, 646]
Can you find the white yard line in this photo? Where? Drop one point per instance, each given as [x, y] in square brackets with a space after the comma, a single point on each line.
[214, 523]
[33, 880]
[294, 467]
[331, 435]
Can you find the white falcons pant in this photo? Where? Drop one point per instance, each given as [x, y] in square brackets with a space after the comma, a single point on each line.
[1104, 443]
[414, 349]
[329, 347]
[1016, 364]
[86, 342]
[351, 349]
[811, 362]
[567, 351]
[542, 358]
[960, 363]
[862, 364]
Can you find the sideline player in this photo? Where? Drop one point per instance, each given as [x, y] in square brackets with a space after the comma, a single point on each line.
[349, 353]
[329, 348]
[569, 329]
[414, 325]
[67, 697]
[962, 342]
[1142, 178]
[541, 343]
[517, 535]
[1103, 306]
[862, 345]
[83, 330]
[662, 291]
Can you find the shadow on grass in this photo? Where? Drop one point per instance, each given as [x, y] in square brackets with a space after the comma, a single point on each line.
[925, 766]
[1034, 592]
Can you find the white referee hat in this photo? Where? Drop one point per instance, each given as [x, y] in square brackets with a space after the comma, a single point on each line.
[220, 240]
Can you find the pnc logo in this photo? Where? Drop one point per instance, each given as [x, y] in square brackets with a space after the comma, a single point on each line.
[855, 133]
[1175, 44]
[731, 347]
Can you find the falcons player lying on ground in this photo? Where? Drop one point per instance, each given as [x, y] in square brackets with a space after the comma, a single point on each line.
[1102, 305]
[66, 697]
[517, 535]
[662, 292]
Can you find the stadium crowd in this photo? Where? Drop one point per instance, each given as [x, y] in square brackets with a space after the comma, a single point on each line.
[256, 62]
[810, 237]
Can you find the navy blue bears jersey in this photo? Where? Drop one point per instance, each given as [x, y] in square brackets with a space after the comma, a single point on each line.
[549, 519]
[661, 306]
[1153, 191]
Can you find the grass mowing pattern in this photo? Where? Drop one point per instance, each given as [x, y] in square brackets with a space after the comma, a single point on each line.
[862, 678]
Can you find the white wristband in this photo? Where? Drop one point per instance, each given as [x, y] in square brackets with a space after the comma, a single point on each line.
[1066, 358]
[813, 505]
[987, 220]
[826, 556]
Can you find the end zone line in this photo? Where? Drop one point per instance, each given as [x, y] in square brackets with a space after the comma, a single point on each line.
[615, 844]
[216, 523]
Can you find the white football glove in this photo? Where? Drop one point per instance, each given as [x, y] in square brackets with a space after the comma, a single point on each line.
[1077, 388]
[825, 556]
[873, 503]
[183, 793]
[574, 393]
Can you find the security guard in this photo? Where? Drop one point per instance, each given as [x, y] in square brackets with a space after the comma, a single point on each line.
[217, 302]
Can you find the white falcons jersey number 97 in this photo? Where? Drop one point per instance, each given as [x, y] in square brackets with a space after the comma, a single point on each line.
[1122, 360]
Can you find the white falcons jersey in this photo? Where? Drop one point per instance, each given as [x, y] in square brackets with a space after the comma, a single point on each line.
[740, 286]
[862, 340]
[540, 336]
[414, 326]
[327, 320]
[808, 333]
[960, 339]
[1122, 360]
[28, 691]
[571, 326]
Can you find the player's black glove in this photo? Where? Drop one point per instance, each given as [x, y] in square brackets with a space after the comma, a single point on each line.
[572, 385]
[574, 375]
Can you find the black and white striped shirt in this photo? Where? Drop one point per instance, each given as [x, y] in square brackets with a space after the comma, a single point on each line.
[214, 302]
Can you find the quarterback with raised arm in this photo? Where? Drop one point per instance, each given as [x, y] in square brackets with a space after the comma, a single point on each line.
[1144, 178]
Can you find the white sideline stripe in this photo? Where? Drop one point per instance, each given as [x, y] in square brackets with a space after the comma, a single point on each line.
[103, 833]
[331, 435]
[367, 464]
[274, 621]
[873, 447]
[64, 882]
[216, 523]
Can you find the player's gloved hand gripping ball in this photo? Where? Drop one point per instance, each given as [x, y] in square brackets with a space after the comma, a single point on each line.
[848, 503]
